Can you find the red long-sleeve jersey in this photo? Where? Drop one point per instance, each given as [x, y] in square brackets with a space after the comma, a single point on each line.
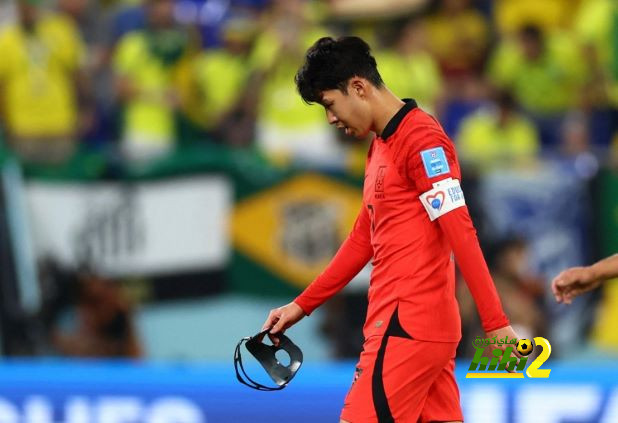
[412, 220]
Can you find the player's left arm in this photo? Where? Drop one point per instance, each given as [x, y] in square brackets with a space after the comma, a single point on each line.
[434, 169]
[458, 228]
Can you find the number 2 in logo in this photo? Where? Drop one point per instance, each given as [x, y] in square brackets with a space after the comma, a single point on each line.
[533, 369]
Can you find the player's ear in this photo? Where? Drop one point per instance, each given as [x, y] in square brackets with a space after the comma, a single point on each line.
[358, 86]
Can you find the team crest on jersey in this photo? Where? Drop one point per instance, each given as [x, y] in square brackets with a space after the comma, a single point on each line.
[379, 186]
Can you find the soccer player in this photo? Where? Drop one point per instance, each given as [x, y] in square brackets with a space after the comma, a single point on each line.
[576, 280]
[412, 219]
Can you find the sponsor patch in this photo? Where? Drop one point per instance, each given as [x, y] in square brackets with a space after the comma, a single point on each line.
[445, 196]
[435, 162]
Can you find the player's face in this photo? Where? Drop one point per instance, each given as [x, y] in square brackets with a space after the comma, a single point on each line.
[348, 111]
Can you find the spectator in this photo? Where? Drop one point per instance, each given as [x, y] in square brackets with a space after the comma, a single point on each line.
[147, 64]
[409, 69]
[42, 84]
[543, 72]
[595, 27]
[104, 326]
[498, 136]
[227, 93]
[458, 37]
[288, 130]
[549, 15]
[84, 16]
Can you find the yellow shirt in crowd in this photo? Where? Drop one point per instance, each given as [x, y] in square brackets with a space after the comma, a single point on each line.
[483, 142]
[416, 76]
[37, 75]
[458, 42]
[280, 104]
[594, 26]
[548, 85]
[549, 15]
[148, 118]
[220, 77]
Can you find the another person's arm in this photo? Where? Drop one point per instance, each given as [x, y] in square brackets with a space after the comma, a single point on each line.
[577, 280]
[352, 256]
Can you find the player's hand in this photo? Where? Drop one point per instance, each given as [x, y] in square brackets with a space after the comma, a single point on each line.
[500, 334]
[282, 318]
[573, 282]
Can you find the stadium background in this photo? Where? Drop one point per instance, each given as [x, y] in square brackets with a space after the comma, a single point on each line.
[163, 187]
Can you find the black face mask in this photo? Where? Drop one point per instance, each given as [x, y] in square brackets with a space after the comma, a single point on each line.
[265, 354]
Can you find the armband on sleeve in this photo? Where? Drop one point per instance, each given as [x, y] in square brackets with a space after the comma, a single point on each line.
[445, 196]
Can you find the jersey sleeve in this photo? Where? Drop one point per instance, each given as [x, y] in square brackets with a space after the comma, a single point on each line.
[458, 228]
[430, 155]
[432, 167]
[351, 257]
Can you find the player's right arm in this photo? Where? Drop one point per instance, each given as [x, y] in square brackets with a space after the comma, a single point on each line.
[577, 280]
[351, 257]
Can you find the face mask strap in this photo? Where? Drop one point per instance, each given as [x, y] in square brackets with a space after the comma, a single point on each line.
[238, 365]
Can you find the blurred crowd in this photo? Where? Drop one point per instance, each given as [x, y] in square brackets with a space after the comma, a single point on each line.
[509, 80]
[513, 82]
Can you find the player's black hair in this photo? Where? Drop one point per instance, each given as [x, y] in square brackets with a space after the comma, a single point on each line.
[330, 63]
